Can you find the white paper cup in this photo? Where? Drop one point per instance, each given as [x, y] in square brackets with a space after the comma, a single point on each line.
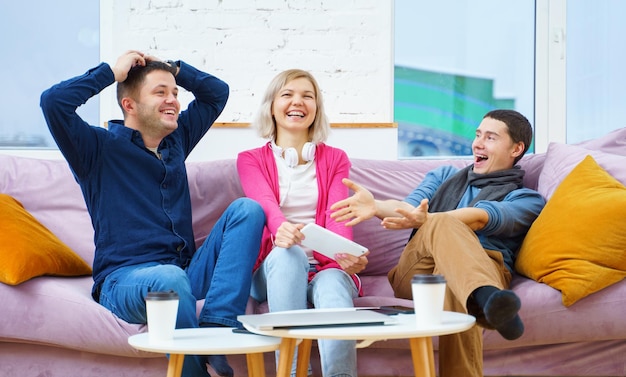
[161, 310]
[428, 296]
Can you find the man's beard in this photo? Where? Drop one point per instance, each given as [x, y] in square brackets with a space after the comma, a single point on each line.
[150, 118]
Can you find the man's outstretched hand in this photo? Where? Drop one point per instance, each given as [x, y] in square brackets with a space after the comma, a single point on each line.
[359, 207]
[408, 219]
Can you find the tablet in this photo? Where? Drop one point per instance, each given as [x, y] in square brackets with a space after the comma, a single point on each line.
[329, 243]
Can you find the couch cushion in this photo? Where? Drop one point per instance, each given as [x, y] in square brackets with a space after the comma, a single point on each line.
[577, 243]
[613, 142]
[598, 317]
[29, 249]
[532, 164]
[561, 159]
[48, 190]
[60, 312]
[389, 180]
[213, 185]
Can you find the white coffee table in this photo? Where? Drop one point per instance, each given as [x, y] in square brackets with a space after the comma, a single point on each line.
[209, 341]
[405, 328]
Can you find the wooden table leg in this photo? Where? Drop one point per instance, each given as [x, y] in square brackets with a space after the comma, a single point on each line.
[175, 365]
[285, 359]
[256, 365]
[423, 357]
[304, 355]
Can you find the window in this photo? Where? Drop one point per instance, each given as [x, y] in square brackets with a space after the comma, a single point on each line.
[44, 43]
[595, 77]
[454, 61]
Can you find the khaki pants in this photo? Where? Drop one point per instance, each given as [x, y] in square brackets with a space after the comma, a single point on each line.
[446, 246]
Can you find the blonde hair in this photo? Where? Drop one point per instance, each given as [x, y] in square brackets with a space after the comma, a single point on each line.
[264, 121]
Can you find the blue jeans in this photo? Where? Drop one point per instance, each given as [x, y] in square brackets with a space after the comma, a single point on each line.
[220, 272]
[282, 281]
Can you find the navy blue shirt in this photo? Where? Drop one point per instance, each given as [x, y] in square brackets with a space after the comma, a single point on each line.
[139, 204]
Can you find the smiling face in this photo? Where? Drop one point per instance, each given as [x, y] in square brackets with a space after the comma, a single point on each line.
[493, 147]
[294, 106]
[153, 108]
[158, 106]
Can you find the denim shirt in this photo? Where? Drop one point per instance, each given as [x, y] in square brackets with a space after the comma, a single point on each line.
[139, 203]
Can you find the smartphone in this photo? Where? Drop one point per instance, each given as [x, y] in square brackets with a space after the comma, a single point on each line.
[238, 330]
[394, 309]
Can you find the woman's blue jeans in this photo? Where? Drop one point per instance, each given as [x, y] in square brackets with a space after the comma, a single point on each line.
[282, 281]
[220, 272]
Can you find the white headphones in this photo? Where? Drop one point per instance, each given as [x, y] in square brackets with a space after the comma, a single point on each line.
[291, 155]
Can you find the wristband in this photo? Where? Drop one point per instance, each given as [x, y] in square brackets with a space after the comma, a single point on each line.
[174, 65]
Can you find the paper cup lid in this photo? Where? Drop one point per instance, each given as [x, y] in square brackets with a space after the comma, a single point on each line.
[428, 279]
[168, 295]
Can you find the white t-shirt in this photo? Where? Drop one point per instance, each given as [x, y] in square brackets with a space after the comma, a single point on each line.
[298, 193]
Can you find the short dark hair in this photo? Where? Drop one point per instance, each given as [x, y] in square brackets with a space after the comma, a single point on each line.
[136, 76]
[518, 126]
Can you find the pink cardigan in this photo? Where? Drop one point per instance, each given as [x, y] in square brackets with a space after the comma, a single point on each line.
[259, 179]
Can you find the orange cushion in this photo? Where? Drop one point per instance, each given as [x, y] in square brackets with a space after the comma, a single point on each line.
[578, 243]
[28, 249]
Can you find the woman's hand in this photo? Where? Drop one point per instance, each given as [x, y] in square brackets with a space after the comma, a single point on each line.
[288, 234]
[352, 264]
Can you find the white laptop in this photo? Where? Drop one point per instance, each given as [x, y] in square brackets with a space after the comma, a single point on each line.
[309, 318]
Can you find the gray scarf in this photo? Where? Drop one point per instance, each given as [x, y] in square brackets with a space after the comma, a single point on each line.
[494, 187]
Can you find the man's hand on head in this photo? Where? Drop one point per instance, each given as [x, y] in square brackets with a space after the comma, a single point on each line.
[171, 63]
[126, 61]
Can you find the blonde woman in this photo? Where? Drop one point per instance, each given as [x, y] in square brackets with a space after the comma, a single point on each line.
[296, 178]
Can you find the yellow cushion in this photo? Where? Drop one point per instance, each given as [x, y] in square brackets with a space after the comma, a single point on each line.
[28, 249]
[578, 243]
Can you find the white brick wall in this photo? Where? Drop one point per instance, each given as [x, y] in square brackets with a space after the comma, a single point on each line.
[346, 44]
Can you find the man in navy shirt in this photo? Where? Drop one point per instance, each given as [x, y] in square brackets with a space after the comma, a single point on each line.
[134, 182]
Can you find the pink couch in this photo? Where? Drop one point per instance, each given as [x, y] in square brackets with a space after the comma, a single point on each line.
[50, 326]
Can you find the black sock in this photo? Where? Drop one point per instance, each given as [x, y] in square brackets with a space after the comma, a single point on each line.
[511, 329]
[482, 294]
[500, 309]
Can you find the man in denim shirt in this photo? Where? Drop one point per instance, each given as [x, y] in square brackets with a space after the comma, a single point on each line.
[134, 182]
